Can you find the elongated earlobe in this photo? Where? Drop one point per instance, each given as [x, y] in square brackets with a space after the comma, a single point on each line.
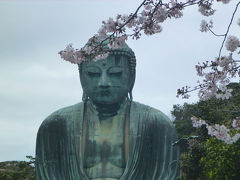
[84, 97]
[130, 96]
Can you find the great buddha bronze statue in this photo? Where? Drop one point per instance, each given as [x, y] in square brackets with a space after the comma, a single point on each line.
[107, 136]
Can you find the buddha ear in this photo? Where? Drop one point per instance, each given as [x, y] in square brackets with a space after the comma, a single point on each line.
[84, 97]
[80, 75]
[131, 86]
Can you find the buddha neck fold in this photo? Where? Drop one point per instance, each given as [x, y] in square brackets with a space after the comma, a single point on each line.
[107, 110]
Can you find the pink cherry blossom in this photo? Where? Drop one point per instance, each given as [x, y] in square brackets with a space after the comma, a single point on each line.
[205, 8]
[197, 122]
[225, 1]
[221, 132]
[68, 54]
[204, 26]
[101, 56]
[232, 43]
[236, 123]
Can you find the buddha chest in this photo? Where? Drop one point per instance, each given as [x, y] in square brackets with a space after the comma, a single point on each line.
[104, 150]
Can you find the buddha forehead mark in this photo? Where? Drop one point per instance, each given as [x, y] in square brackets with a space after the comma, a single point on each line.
[104, 62]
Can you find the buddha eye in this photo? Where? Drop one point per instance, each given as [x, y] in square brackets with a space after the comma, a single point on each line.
[115, 74]
[115, 71]
[93, 72]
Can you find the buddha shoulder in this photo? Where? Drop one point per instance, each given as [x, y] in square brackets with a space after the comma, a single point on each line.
[151, 114]
[62, 117]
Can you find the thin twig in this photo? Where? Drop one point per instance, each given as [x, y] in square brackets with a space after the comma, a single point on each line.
[135, 13]
[183, 5]
[132, 15]
[233, 69]
[119, 28]
[154, 10]
[228, 28]
[215, 33]
[124, 24]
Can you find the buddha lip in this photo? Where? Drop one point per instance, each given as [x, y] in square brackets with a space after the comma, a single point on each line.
[104, 92]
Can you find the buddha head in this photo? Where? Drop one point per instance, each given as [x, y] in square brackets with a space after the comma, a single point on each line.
[109, 80]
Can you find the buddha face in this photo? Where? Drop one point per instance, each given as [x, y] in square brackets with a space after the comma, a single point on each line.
[106, 81]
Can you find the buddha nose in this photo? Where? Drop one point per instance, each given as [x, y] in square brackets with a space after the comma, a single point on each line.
[104, 81]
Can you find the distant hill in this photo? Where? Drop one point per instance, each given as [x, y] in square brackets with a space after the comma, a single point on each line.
[17, 170]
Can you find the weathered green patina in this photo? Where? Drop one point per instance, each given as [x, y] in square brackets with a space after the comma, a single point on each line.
[107, 136]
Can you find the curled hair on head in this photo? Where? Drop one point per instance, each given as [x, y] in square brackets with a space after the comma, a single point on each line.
[130, 55]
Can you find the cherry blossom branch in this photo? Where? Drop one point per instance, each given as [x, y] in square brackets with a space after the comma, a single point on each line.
[222, 68]
[147, 21]
[221, 132]
[154, 10]
[229, 25]
[124, 24]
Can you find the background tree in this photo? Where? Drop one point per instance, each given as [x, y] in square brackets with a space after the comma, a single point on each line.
[17, 170]
[208, 157]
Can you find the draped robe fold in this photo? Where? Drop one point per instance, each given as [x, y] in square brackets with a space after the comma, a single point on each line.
[151, 154]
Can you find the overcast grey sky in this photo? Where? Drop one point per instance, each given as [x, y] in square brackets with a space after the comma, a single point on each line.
[34, 81]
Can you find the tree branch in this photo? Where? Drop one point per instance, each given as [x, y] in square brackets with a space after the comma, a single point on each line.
[228, 28]
[215, 33]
